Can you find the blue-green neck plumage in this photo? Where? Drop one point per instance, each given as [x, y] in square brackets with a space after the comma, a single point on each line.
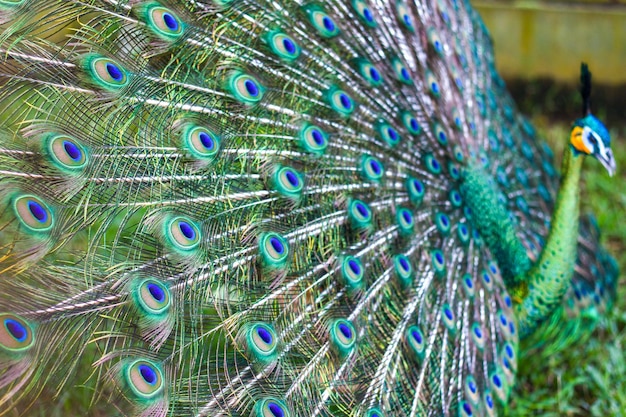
[492, 220]
[538, 288]
[549, 278]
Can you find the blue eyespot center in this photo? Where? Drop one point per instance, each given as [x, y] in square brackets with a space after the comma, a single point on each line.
[276, 410]
[393, 135]
[407, 20]
[290, 47]
[472, 386]
[355, 268]
[345, 101]
[170, 21]
[467, 409]
[277, 245]
[345, 330]
[17, 329]
[442, 137]
[435, 164]
[444, 220]
[497, 381]
[407, 216]
[207, 140]
[489, 401]
[368, 15]
[469, 283]
[417, 336]
[157, 292]
[375, 167]
[374, 74]
[264, 335]
[404, 264]
[448, 313]
[439, 257]
[187, 230]
[72, 150]
[362, 209]
[418, 186]
[114, 71]
[148, 374]
[405, 74]
[328, 24]
[434, 87]
[251, 88]
[477, 332]
[317, 137]
[38, 211]
[414, 124]
[292, 178]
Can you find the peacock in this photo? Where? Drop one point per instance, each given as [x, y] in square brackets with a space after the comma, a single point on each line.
[277, 209]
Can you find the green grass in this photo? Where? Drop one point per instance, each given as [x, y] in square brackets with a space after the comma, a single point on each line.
[588, 378]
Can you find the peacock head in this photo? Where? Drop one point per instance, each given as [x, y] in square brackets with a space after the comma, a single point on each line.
[590, 137]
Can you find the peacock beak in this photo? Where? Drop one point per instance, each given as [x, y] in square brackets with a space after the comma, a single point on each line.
[605, 156]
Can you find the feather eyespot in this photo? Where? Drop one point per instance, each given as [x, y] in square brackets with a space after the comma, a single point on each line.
[16, 335]
[364, 12]
[442, 221]
[416, 190]
[283, 46]
[438, 262]
[435, 41]
[201, 142]
[416, 341]
[433, 84]
[402, 11]
[164, 22]
[67, 153]
[153, 297]
[245, 88]
[360, 213]
[447, 317]
[374, 412]
[463, 233]
[389, 135]
[33, 213]
[432, 164]
[352, 272]
[341, 102]
[271, 407]
[402, 73]
[182, 233]
[370, 73]
[262, 339]
[106, 72]
[274, 249]
[411, 124]
[404, 269]
[322, 22]
[288, 181]
[144, 378]
[405, 221]
[343, 335]
[371, 168]
[313, 139]
[468, 285]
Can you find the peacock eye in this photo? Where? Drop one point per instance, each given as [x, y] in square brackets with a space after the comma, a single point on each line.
[201, 142]
[145, 379]
[288, 181]
[364, 12]
[271, 407]
[66, 153]
[183, 233]
[245, 88]
[107, 72]
[33, 213]
[341, 102]
[153, 297]
[283, 46]
[313, 139]
[324, 24]
[274, 249]
[370, 73]
[15, 333]
[164, 22]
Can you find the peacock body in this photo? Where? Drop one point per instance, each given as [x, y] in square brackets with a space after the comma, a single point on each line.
[276, 209]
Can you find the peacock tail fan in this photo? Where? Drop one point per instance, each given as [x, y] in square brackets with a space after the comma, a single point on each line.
[253, 208]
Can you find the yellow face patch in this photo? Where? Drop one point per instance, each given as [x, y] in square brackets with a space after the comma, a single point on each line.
[576, 139]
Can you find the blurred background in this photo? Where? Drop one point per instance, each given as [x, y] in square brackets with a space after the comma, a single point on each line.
[538, 47]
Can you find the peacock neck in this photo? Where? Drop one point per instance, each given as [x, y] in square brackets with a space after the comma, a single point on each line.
[548, 280]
